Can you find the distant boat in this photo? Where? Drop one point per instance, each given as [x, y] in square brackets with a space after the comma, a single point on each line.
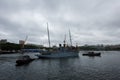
[92, 54]
[61, 52]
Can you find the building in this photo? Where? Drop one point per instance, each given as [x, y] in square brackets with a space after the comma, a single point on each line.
[3, 41]
[21, 41]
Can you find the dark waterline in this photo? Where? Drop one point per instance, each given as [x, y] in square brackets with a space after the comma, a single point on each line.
[106, 67]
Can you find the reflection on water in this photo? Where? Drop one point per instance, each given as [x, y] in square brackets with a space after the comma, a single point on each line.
[105, 67]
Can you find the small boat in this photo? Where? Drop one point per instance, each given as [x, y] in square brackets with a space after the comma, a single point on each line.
[24, 60]
[92, 54]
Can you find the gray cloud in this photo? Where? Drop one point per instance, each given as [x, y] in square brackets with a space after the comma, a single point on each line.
[90, 21]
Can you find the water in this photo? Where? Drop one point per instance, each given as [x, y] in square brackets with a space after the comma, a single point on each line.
[106, 67]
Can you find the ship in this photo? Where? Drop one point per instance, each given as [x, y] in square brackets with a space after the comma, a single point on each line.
[63, 51]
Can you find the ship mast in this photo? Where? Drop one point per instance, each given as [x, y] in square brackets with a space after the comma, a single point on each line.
[65, 39]
[64, 42]
[70, 37]
[48, 36]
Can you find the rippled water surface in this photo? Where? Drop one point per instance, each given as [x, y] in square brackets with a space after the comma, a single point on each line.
[106, 67]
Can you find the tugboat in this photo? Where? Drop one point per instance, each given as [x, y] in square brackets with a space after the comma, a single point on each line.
[92, 54]
[24, 60]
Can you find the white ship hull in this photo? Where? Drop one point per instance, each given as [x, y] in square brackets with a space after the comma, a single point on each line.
[59, 55]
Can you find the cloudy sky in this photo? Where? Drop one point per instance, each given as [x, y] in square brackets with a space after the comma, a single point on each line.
[90, 21]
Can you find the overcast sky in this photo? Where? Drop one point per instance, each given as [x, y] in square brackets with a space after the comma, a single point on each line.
[90, 21]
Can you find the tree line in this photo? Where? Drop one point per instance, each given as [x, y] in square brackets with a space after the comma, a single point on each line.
[13, 46]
